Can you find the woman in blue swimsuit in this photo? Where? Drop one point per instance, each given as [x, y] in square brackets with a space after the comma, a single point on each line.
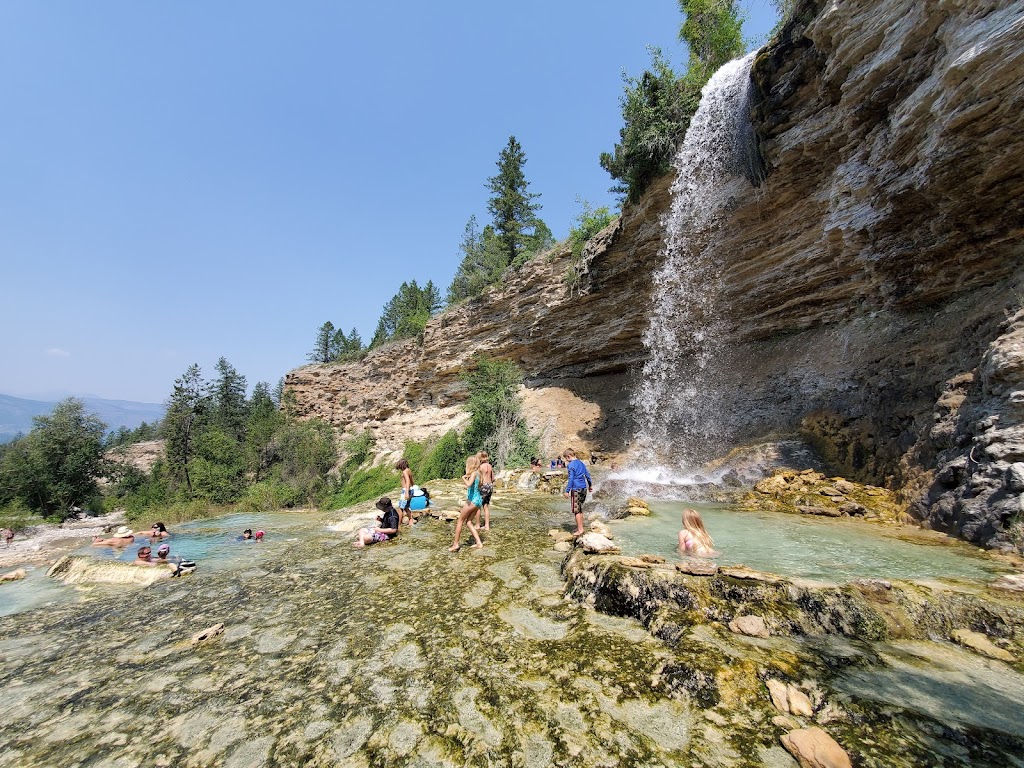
[473, 503]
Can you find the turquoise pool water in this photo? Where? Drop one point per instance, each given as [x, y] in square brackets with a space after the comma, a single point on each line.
[828, 550]
[214, 544]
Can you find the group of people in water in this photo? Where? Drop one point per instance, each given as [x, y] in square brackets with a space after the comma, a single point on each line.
[123, 536]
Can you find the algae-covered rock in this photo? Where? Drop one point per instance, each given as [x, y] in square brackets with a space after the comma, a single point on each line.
[634, 507]
[812, 493]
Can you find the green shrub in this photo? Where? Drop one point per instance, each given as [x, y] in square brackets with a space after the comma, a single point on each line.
[447, 460]
[365, 484]
[268, 495]
[587, 223]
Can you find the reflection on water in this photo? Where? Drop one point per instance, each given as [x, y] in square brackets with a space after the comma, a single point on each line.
[827, 550]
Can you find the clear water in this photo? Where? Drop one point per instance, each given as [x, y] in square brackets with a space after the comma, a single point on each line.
[214, 544]
[217, 542]
[826, 550]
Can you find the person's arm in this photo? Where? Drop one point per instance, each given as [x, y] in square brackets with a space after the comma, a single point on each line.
[590, 483]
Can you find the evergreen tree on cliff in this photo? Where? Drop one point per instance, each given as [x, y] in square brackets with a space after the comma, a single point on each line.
[406, 314]
[658, 105]
[322, 351]
[511, 204]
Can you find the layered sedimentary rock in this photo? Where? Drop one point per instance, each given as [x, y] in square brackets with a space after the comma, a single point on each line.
[576, 345]
[868, 280]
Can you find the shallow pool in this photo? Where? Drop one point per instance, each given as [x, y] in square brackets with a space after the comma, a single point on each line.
[214, 544]
[828, 550]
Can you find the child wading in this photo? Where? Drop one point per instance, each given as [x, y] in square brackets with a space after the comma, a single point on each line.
[577, 488]
[472, 505]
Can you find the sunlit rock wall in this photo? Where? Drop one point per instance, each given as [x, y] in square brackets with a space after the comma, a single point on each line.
[576, 347]
[868, 279]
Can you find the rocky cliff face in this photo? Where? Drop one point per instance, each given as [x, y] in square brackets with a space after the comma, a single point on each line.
[871, 281]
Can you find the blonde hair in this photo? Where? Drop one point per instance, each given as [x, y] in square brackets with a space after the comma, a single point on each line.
[695, 525]
[569, 453]
[483, 456]
[472, 464]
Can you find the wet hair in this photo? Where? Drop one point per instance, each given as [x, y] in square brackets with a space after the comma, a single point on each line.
[695, 525]
[160, 527]
[247, 530]
[402, 464]
[144, 551]
[472, 464]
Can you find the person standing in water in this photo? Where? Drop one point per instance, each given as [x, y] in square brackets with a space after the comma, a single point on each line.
[407, 484]
[577, 488]
[486, 489]
[694, 538]
[473, 503]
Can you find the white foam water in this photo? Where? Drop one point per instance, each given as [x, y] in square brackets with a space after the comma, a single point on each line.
[680, 420]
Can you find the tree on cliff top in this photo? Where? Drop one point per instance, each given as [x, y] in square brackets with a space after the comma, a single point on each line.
[407, 312]
[511, 204]
[658, 105]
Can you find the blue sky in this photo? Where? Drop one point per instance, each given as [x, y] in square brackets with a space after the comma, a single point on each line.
[181, 181]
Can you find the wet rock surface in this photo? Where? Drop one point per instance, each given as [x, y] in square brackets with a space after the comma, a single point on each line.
[403, 654]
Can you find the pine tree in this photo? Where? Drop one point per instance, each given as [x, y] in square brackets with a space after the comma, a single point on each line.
[406, 314]
[185, 410]
[229, 408]
[511, 204]
[322, 348]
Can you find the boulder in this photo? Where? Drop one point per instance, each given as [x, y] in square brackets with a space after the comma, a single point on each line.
[813, 748]
[598, 527]
[15, 575]
[595, 544]
[697, 568]
[1013, 582]
[752, 626]
[207, 634]
[559, 535]
[562, 546]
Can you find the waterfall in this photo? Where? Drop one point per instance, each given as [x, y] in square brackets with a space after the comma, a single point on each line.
[677, 401]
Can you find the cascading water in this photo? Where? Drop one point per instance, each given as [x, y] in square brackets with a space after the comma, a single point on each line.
[677, 402]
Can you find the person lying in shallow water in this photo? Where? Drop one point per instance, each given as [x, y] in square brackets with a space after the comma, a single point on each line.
[386, 528]
[122, 537]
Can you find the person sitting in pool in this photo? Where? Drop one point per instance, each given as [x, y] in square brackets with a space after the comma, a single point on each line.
[144, 556]
[694, 538]
[386, 528]
[260, 535]
[122, 537]
[158, 531]
[246, 535]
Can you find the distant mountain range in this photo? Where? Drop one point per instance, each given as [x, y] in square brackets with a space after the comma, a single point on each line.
[16, 413]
